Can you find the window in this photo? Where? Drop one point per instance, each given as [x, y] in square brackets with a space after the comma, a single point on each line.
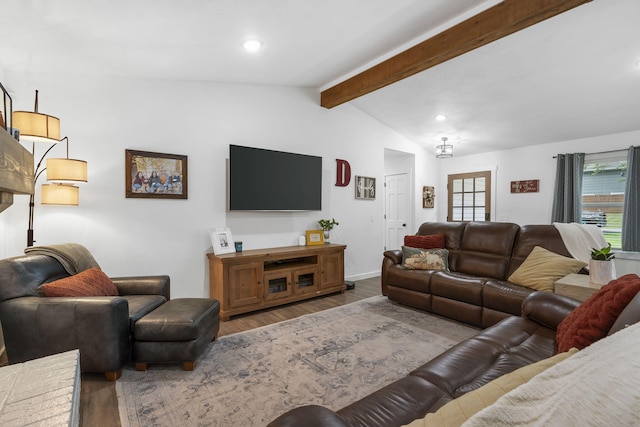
[603, 187]
[469, 197]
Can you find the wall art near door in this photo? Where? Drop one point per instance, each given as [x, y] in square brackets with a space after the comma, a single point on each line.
[428, 196]
[155, 175]
[526, 186]
[365, 188]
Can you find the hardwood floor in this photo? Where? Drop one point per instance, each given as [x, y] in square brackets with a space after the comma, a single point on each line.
[98, 400]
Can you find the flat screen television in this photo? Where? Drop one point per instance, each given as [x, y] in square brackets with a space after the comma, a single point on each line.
[268, 180]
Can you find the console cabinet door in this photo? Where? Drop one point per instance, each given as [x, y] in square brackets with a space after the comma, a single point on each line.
[331, 269]
[305, 281]
[245, 284]
[277, 285]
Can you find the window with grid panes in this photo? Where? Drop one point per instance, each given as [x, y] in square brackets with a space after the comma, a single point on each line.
[469, 197]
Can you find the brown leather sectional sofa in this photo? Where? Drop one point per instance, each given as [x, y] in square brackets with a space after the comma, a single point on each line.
[520, 323]
[502, 348]
[482, 255]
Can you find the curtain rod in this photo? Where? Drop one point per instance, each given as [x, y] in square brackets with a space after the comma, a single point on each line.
[603, 152]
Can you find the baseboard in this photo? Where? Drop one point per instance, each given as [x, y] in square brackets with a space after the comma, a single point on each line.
[363, 276]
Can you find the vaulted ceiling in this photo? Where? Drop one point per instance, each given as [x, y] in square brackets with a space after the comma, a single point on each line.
[574, 75]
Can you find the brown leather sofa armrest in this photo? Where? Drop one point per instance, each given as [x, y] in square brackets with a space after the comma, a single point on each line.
[144, 285]
[394, 255]
[547, 308]
[39, 326]
[309, 416]
[391, 257]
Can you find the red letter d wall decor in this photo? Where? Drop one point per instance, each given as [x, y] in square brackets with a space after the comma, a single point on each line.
[343, 173]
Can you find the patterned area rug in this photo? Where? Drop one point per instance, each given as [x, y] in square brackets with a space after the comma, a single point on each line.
[331, 358]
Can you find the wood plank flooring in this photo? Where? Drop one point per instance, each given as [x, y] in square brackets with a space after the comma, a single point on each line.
[98, 400]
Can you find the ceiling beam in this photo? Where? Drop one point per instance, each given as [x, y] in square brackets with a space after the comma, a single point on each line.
[492, 24]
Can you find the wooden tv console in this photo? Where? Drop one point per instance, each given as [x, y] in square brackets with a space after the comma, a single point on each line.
[261, 278]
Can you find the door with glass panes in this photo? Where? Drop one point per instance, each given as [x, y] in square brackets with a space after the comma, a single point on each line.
[469, 197]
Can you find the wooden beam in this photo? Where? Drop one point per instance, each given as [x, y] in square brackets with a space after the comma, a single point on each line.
[492, 24]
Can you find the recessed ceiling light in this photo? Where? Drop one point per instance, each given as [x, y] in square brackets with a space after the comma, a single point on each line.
[252, 45]
[441, 117]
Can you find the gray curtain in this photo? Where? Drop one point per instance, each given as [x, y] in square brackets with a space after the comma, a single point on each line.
[631, 210]
[567, 197]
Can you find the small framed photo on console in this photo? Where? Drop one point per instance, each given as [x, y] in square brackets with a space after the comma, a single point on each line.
[315, 237]
[222, 240]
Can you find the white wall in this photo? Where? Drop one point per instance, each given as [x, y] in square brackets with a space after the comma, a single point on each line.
[103, 117]
[534, 162]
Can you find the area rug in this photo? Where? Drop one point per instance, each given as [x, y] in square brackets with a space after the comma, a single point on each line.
[331, 358]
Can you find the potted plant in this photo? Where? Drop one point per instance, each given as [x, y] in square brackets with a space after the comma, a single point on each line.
[601, 267]
[327, 225]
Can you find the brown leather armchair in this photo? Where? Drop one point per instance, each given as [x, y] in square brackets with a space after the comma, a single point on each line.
[100, 327]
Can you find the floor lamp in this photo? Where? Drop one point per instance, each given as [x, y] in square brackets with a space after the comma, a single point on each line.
[45, 128]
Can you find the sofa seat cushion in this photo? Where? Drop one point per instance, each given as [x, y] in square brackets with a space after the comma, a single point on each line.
[458, 286]
[396, 404]
[511, 344]
[415, 280]
[140, 305]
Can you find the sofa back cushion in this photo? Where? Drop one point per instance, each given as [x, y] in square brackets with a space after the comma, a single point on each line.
[452, 237]
[530, 236]
[485, 250]
[22, 276]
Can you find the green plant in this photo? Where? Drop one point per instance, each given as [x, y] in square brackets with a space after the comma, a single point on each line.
[328, 224]
[603, 254]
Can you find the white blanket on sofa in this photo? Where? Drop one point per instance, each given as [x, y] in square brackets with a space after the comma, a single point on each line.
[598, 386]
[581, 238]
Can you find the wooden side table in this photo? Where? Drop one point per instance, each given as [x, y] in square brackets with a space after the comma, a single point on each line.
[576, 286]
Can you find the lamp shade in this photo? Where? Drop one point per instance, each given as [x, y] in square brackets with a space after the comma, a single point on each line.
[66, 170]
[60, 194]
[37, 126]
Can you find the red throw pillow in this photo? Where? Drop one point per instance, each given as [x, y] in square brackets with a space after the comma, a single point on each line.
[432, 241]
[594, 317]
[89, 283]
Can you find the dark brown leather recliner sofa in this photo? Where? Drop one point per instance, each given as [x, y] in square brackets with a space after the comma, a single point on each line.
[520, 323]
[482, 255]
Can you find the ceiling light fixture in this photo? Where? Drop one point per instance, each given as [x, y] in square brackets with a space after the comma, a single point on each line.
[441, 117]
[252, 45]
[444, 150]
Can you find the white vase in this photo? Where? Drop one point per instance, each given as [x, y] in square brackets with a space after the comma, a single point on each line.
[601, 272]
[326, 236]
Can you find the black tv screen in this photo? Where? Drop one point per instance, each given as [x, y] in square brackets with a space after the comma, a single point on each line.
[270, 180]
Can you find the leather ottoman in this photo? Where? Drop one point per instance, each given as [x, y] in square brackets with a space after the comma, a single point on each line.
[176, 332]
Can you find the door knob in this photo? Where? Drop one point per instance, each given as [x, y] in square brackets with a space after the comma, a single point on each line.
[404, 225]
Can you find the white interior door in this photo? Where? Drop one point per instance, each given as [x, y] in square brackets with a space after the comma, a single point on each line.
[396, 210]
